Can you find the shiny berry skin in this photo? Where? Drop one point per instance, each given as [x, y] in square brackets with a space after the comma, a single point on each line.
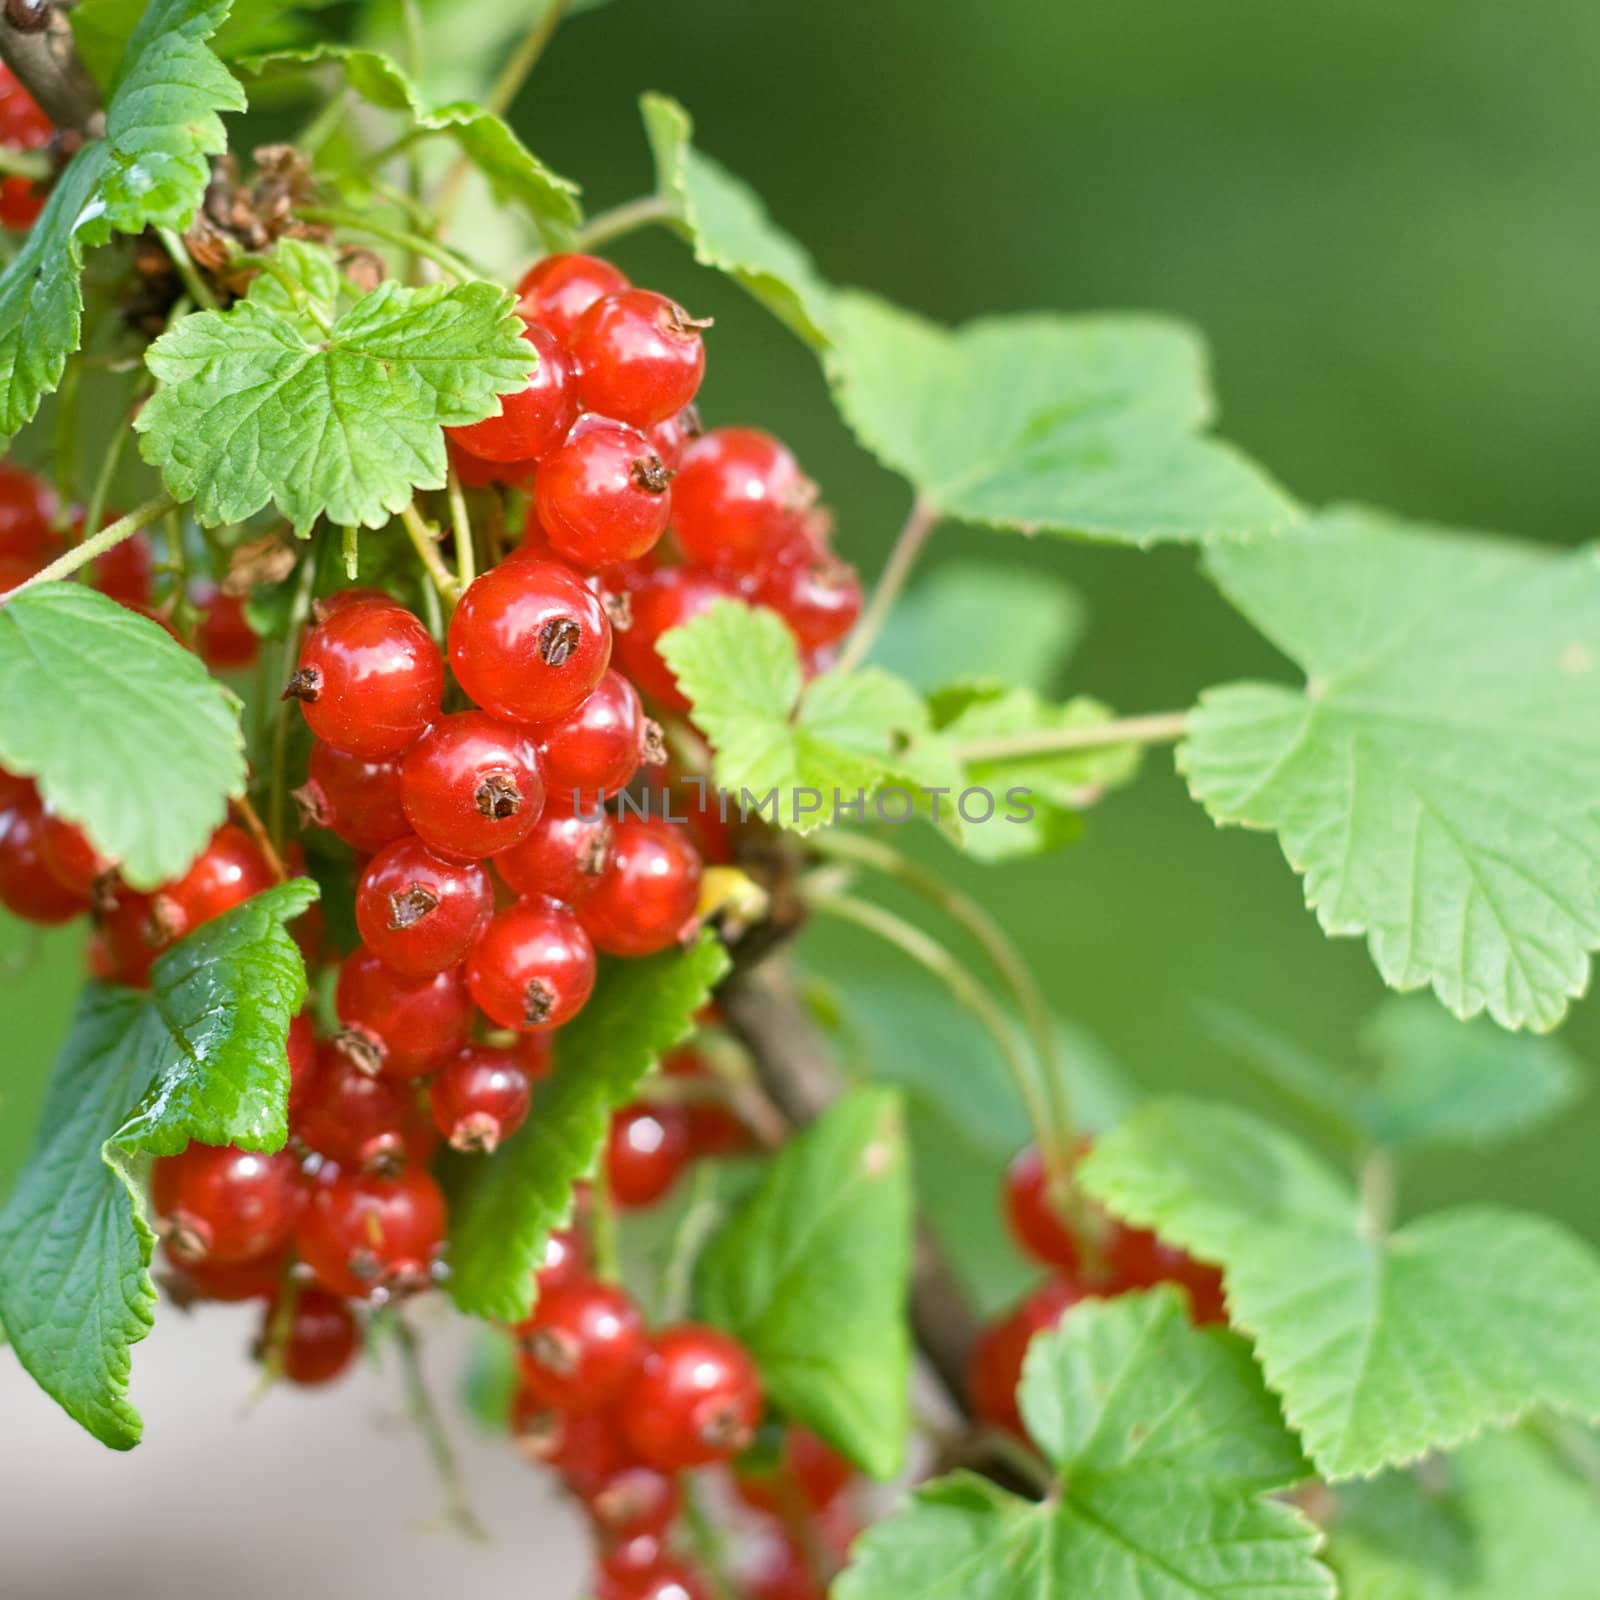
[126, 572]
[661, 601]
[636, 1501]
[1035, 1223]
[357, 797]
[480, 1098]
[369, 680]
[131, 933]
[360, 1233]
[471, 785]
[646, 897]
[364, 1122]
[668, 1580]
[647, 1147]
[819, 600]
[400, 1026]
[806, 1477]
[226, 873]
[1138, 1259]
[300, 1047]
[585, 1447]
[671, 438]
[532, 419]
[562, 857]
[557, 291]
[69, 857]
[324, 1337]
[418, 913]
[223, 636]
[639, 355]
[535, 1054]
[565, 1263]
[23, 126]
[604, 496]
[581, 1346]
[594, 752]
[476, 473]
[27, 514]
[533, 966]
[529, 641]
[233, 1282]
[994, 1368]
[696, 1400]
[739, 497]
[223, 1205]
[28, 888]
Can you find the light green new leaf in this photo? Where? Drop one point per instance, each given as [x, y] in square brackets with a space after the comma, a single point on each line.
[1165, 1443]
[1437, 780]
[1443, 1082]
[811, 1276]
[728, 227]
[1038, 799]
[1090, 426]
[325, 417]
[513, 171]
[124, 730]
[512, 1200]
[1383, 1345]
[842, 736]
[201, 1056]
[151, 168]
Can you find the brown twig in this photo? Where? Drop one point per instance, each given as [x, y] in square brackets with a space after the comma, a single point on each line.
[36, 43]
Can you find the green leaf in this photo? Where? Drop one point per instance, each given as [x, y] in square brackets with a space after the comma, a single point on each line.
[510, 1202]
[125, 731]
[1079, 425]
[1443, 1082]
[811, 1276]
[1164, 1443]
[970, 622]
[728, 227]
[201, 1056]
[319, 416]
[150, 169]
[811, 745]
[514, 172]
[1038, 799]
[1434, 780]
[1383, 1345]
[1499, 1518]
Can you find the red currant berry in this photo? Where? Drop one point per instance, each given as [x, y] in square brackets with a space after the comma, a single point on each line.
[557, 291]
[529, 641]
[671, 438]
[471, 785]
[534, 1054]
[820, 600]
[367, 1123]
[603, 496]
[228, 1282]
[357, 797]
[226, 873]
[324, 1337]
[476, 473]
[533, 966]
[1138, 1259]
[23, 126]
[631, 1560]
[359, 1234]
[738, 499]
[581, 1346]
[647, 1147]
[28, 888]
[1035, 1222]
[646, 897]
[667, 1580]
[664, 600]
[418, 913]
[565, 1263]
[300, 1047]
[132, 935]
[69, 857]
[994, 1368]
[219, 1204]
[594, 752]
[806, 1477]
[696, 1400]
[640, 357]
[329, 605]
[585, 1447]
[480, 1098]
[369, 680]
[783, 1571]
[713, 1129]
[401, 1026]
[27, 514]
[126, 572]
[563, 855]
[634, 1502]
[223, 636]
[532, 419]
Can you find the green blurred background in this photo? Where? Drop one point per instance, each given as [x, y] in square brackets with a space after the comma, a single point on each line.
[1382, 216]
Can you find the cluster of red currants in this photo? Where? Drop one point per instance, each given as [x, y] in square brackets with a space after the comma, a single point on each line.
[1098, 1258]
[622, 1412]
[23, 126]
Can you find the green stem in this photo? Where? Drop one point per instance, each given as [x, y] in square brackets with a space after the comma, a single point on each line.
[64, 438]
[419, 1402]
[930, 954]
[704, 1541]
[1378, 1182]
[178, 252]
[921, 522]
[606, 226]
[1161, 727]
[427, 548]
[701, 1215]
[322, 127]
[31, 164]
[1008, 961]
[461, 524]
[603, 1228]
[100, 492]
[299, 610]
[95, 545]
[355, 222]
